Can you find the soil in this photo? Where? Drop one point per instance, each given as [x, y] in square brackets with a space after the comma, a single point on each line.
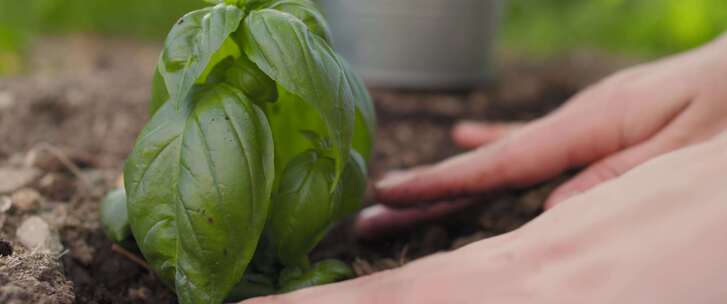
[74, 117]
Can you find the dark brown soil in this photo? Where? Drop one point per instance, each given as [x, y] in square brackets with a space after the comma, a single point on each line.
[85, 101]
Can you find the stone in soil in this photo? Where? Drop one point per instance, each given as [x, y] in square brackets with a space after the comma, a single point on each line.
[36, 235]
[5, 204]
[26, 199]
[12, 179]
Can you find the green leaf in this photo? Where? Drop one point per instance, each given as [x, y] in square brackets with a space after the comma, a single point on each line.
[308, 12]
[198, 183]
[246, 76]
[231, 2]
[252, 285]
[365, 126]
[150, 181]
[159, 94]
[303, 209]
[353, 186]
[229, 49]
[217, 75]
[190, 45]
[114, 216]
[304, 64]
[324, 272]
[290, 118]
[214, 73]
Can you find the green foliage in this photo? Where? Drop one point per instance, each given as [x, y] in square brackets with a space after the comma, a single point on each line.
[641, 27]
[304, 64]
[192, 42]
[323, 272]
[545, 27]
[247, 160]
[304, 207]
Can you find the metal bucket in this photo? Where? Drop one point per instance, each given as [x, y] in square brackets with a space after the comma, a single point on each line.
[417, 44]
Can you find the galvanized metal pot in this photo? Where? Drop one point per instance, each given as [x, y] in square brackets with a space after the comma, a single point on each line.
[431, 44]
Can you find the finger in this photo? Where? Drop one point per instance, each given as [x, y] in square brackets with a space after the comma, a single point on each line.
[686, 129]
[379, 220]
[470, 135]
[589, 128]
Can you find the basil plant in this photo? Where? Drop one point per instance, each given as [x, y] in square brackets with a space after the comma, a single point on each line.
[258, 143]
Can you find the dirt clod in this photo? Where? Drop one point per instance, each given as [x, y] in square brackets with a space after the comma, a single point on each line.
[57, 186]
[6, 249]
[33, 278]
[43, 159]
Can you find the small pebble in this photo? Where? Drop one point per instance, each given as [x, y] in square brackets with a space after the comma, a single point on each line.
[26, 199]
[12, 179]
[5, 204]
[35, 234]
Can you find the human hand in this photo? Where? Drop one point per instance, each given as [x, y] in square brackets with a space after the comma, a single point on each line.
[654, 235]
[617, 124]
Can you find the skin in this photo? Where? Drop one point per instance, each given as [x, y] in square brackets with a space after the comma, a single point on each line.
[643, 222]
[608, 129]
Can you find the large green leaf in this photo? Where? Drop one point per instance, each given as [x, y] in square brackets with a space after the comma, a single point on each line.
[190, 45]
[150, 177]
[159, 93]
[365, 126]
[308, 12]
[303, 207]
[199, 183]
[304, 64]
[229, 49]
[353, 186]
[214, 73]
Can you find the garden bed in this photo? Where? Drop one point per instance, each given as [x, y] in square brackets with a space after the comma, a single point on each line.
[67, 126]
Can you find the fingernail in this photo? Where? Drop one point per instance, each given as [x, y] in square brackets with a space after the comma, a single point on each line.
[392, 179]
[371, 212]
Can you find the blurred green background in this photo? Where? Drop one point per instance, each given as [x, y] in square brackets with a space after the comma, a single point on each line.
[535, 27]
